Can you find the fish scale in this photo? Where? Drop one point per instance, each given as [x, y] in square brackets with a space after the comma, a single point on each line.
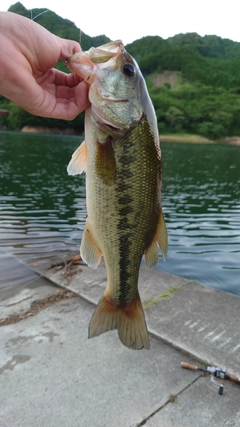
[135, 207]
[132, 218]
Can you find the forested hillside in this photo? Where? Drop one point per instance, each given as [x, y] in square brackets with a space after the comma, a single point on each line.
[206, 98]
[194, 81]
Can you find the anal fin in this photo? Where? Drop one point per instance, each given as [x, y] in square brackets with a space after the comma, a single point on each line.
[151, 254]
[160, 237]
[129, 320]
[89, 250]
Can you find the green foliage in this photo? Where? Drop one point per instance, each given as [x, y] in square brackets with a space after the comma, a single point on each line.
[207, 99]
[19, 8]
[175, 118]
[209, 46]
[154, 54]
[210, 129]
[197, 109]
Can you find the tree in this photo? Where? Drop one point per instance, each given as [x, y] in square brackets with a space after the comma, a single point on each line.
[175, 119]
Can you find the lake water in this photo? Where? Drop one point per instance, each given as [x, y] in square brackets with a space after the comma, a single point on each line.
[42, 209]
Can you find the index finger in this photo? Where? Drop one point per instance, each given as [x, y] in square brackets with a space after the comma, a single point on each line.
[65, 79]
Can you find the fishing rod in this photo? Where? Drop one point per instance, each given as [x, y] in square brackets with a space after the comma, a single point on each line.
[215, 372]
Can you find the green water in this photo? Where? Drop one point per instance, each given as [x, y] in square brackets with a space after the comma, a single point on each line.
[42, 209]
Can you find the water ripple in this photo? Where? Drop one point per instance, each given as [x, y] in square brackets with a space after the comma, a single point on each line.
[43, 210]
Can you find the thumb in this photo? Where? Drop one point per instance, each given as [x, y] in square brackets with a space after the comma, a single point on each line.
[68, 48]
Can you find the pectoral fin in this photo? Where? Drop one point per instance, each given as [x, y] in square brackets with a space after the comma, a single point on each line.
[160, 237]
[89, 250]
[78, 163]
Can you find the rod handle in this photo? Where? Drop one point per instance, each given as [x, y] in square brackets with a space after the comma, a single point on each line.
[189, 366]
[235, 379]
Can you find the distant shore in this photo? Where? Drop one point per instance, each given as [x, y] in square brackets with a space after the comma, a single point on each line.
[193, 139]
[197, 139]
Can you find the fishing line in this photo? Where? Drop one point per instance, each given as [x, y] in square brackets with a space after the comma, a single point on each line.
[35, 17]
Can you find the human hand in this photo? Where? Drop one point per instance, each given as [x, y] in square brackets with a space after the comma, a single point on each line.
[28, 54]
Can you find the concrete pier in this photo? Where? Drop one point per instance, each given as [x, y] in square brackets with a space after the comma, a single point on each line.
[52, 375]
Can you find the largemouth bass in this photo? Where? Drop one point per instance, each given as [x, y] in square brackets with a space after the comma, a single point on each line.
[122, 160]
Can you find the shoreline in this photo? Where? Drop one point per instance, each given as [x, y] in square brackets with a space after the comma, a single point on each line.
[197, 139]
[184, 138]
[193, 139]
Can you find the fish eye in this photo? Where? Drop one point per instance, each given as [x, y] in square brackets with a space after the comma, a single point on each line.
[129, 70]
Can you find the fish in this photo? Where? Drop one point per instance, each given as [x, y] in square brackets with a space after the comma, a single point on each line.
[121, 157]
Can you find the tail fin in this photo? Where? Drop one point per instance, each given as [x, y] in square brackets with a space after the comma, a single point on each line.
[129, 320]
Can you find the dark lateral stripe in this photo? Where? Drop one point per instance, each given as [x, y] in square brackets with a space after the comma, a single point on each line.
[137, 168]
[125, 275]
[125, 226]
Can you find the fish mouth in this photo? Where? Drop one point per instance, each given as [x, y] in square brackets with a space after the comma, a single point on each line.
[86, 64]
[80, 64]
